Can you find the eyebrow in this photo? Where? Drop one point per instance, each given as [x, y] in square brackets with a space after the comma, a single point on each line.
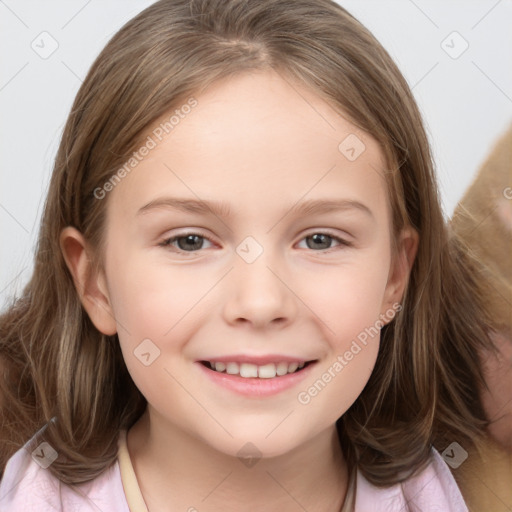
[222, 209]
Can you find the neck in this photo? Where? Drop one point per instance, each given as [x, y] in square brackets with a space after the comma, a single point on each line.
[176, 471]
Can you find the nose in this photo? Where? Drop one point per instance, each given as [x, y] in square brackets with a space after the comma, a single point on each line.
[260, 294]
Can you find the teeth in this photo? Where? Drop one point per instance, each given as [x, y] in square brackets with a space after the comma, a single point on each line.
[282, 369]
[267, 371]
[247, 370]
[220, 367]
[232, 368]
[293, 367]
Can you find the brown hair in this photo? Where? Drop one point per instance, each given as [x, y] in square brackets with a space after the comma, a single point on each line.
[424, 386]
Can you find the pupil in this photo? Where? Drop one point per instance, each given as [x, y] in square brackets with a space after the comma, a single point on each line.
[189, 239]
[319, 238]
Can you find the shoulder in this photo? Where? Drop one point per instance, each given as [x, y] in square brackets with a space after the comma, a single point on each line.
[434, 489]
[27, 485]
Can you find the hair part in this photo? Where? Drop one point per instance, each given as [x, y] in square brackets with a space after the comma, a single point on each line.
[424, 388]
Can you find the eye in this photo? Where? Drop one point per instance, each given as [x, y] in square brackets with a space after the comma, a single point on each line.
[322, 241]
[187, 242]
[192, 242]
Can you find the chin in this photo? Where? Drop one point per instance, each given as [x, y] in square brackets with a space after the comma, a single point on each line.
[252, 446]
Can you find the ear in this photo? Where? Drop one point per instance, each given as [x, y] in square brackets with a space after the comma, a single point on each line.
[90, 284]
[405, 253]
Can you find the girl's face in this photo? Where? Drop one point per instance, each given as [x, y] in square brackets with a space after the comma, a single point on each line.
[300, 269]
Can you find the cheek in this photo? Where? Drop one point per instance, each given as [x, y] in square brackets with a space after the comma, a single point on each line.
[149, 300]
[157, 308]
[347, 298]
[334, 388]
[339, 380]
[348, 303]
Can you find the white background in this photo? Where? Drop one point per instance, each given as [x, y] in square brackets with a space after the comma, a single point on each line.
[466, 101]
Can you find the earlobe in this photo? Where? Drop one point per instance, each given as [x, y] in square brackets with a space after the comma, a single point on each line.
[89, 284]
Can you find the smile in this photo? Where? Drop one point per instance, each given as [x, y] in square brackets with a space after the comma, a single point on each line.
[256, 381]
[248, 370]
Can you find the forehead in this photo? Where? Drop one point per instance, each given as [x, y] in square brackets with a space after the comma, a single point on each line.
[255, 139]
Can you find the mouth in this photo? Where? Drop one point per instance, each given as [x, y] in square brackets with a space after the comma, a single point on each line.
[249, 370]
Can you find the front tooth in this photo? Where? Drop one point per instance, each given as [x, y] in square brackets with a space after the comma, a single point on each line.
[220, 367]
[301, 365]
[267, 371]
[292, 367]
[248, 370]
[282, 369]
[232, 368]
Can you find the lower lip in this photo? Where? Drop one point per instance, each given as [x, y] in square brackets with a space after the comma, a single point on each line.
[254, 386]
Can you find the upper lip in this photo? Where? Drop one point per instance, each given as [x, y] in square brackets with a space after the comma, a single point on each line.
[257, 360]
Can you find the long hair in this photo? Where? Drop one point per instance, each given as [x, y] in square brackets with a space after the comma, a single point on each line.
[424, 388]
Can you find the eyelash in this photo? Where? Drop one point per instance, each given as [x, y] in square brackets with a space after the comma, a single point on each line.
[168, 241]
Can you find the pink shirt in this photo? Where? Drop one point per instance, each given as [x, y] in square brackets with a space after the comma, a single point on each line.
[27, 486]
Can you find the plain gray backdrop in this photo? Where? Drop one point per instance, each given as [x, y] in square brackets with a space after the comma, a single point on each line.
[455, 54]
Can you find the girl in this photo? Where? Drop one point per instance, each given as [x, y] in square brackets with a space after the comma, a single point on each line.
[245, 296]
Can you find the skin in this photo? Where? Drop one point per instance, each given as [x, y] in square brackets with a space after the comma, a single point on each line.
[260, 145]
